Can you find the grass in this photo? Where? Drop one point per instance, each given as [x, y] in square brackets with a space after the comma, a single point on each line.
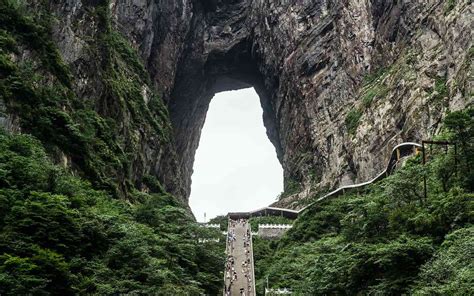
[369, 97]
[374, 76]
[441, 89]
[352, 120]
[291, 187]
[450, 4]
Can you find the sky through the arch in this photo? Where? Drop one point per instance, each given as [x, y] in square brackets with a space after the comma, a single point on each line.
[236, 167]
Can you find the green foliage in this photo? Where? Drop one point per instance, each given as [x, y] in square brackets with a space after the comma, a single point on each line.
[449, 6]
[291, 187]
[368, 97]
[441, 90]
[352, 120]
[262, 248]
[7, 42]
[460, 128]
[127, 81]
[333, 266]
[153, 184]
[47, 112]
[39, 89]
[50, 110]
[388, 240]
[408, 184]
[60, 236]
[374, 87]
[374, 76]
[373, 92]
[451, 270]
[221, 220]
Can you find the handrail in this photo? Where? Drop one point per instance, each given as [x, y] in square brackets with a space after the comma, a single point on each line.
[275, 226]
[207, 225]
[254, 280]
[395, 155]
[226, 254]
[265, 208]
[380, 176]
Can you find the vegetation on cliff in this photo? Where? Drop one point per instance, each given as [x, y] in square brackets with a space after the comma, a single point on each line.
[38, 88]
[83, 227]
[60, 236]
[389, 240]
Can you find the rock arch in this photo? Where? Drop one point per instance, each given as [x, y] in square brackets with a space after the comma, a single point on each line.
[307, 59]
[220, 58]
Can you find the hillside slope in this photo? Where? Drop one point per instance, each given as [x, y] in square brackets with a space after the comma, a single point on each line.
[389, 239]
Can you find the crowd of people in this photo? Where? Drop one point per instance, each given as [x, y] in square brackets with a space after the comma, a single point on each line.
[238, 265]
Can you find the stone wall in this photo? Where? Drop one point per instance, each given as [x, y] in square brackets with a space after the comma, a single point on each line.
[272, 231]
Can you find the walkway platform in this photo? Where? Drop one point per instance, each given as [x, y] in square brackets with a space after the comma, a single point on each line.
[239, 274]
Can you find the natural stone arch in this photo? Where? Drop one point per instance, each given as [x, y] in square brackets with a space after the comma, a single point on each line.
[196, 86]
[307, 60]
[220, 56]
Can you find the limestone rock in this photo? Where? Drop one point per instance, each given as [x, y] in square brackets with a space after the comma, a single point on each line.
[312, 62]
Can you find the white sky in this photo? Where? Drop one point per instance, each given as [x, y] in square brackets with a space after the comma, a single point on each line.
[236, 167]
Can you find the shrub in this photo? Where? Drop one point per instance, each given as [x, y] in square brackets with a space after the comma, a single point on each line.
[352, 120]
[389, 239]
[60, 235]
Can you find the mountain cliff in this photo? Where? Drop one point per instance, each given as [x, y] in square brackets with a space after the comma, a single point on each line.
[340, 82]
[102, 103]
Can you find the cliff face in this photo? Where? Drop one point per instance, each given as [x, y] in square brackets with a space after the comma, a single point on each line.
[340, 82]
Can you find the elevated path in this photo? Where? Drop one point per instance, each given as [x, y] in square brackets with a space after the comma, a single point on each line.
[398, 152]
[266, 211]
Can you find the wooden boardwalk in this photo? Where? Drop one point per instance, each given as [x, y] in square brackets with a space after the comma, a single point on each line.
[239, 275]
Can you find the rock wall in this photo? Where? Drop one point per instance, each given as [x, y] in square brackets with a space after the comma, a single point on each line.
[340, 82]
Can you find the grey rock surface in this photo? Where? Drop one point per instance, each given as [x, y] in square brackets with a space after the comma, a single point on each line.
[310, 62]
[396, 66]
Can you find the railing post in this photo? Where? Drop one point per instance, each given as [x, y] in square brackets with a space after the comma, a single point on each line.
[424, 175]
[253, 262]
